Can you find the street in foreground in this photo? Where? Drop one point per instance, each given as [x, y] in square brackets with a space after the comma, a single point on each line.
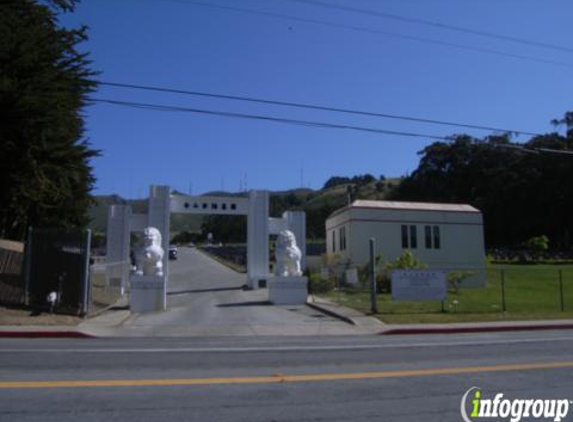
[396, 378]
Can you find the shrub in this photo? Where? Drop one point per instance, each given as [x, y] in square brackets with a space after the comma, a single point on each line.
[538, 243]
[456, 278]
[320, 285]
[406, 261]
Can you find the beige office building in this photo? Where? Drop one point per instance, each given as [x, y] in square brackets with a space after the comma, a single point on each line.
[443, 236]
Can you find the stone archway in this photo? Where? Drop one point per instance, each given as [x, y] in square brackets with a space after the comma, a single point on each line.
[121, 222]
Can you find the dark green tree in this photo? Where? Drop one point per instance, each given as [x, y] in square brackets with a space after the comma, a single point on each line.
[225, 228]
[522, 190]
[45, 171]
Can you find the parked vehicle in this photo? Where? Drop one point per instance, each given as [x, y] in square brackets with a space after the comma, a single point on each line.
[173, 252]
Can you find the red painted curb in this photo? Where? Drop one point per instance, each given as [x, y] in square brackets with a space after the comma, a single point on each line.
[463, 330]
[44, 334]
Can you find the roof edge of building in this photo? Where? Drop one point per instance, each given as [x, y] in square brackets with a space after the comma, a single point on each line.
[407, 206]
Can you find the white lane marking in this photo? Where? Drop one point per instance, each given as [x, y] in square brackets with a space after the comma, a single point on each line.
[286, 348]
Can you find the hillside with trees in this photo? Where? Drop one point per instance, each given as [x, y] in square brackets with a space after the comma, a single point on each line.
[523, 190]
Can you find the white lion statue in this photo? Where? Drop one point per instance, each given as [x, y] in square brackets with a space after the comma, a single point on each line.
[288, 255]
[149, 259]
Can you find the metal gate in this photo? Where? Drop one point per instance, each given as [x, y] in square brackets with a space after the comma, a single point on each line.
[57, 263]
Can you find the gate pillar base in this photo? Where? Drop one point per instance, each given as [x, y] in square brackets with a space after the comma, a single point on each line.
[288, 290]
[147, 293]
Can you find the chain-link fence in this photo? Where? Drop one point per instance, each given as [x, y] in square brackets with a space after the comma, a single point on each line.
[106, 289]
[511, 289]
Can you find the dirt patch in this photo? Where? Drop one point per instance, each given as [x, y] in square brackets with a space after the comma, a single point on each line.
[9, 316]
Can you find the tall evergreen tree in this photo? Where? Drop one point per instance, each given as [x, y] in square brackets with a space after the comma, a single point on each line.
[45, 171]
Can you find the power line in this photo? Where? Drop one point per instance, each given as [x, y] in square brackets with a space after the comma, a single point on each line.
[296, 105]
[313, 107]
[534, 150]
[377, 32]
[159, 107]
[376, 13]
[309, 123]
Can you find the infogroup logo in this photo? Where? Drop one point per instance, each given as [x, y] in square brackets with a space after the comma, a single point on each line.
[513, 409]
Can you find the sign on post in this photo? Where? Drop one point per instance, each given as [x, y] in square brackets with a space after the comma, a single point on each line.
[352, 277]
[419, 285]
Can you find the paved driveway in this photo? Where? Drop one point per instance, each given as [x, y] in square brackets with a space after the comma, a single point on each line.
[207, 298]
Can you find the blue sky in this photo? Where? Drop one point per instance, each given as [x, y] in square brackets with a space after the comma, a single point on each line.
[184, 45]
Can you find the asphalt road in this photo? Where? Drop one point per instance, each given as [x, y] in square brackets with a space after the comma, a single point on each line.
[352, 378]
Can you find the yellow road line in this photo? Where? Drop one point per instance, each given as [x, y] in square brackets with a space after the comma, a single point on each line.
[278, 378]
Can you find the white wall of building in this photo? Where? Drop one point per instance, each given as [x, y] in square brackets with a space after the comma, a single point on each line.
[461, 242]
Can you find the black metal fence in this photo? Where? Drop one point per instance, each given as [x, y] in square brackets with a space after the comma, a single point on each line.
[57, 268]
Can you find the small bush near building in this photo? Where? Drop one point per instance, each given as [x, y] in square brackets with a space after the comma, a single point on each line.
[406, 261]
[319, 285]
[456, 278]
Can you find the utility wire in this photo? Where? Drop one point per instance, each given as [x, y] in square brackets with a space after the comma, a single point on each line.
[308, 123]
[313, 107]
[376, 13]
[159, 107]
[535, 150]
[296, 105]
[377, 32]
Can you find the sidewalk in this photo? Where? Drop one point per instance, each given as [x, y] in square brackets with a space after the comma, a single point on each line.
[120, 323]
[357, 318]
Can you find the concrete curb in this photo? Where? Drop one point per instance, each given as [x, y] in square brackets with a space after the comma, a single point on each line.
[475, 329]
[331, 312]
[44, 334]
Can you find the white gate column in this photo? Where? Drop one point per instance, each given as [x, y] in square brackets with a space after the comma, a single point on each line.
[257, 239]
[117, 247]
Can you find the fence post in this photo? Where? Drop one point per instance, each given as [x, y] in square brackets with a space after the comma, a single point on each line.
[373, 299]
[27, 266]
[86, 273]
[561, 290]
[503, 307]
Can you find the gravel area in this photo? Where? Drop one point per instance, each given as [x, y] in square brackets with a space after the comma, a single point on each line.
[9, 316]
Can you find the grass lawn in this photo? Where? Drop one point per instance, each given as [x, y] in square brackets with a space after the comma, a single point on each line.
[531, 292]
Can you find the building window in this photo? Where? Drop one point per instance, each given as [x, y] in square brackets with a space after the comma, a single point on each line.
[405, 237]
[213, 206]
[333, 240]
[428, 236]
[342, 238]
[233, 206]
[437, 242]
[413, 237]
[204, 205]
